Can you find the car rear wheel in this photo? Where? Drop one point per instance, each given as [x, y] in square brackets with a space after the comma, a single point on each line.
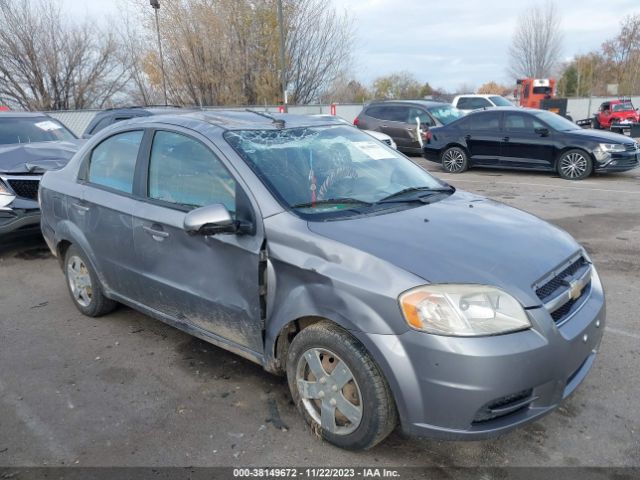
[338, 388]
[84, 287]
[455, 160]
[575, 165]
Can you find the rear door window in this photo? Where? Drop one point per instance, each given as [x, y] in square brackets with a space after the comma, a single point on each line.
[472, 103]
[113, 161]
[481, 121]
[394, 113]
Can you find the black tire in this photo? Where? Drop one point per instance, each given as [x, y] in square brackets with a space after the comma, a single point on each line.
[595, 124]
[367, 390]
[90, 301]
[574, 164]
[454, 160]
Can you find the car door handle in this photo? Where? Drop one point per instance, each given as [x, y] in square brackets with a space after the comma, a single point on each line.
[505, 139]
[80, 207]
[157, 235]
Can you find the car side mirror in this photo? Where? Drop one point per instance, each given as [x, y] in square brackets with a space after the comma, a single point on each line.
[210, 220]
[543, 132]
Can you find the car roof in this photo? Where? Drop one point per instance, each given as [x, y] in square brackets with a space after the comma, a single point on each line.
[479, 95]
[14, 114]
[238, 120]
[423, 103]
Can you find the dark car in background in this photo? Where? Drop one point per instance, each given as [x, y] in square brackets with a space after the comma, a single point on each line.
[303, 244]
[528, 139]
[398, 120]
[108, 117]
[30, 144]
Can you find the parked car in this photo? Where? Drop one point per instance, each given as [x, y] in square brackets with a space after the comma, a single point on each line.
[476, 101]
[398, 120]
[303, 245]
[615, 113]
[108, 117]
[528, 139]
[30, 144]
[384, 138]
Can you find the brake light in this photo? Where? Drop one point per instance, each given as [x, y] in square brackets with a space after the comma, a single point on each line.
[356, 121]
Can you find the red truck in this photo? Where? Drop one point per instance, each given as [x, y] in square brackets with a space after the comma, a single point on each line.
[616, 114]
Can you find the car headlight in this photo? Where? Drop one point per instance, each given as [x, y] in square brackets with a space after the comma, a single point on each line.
[462, 310]
[612, 147]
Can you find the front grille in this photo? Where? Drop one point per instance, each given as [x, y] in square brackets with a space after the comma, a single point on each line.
[500, 406]
[557, 291]
[25, 188]
[547, 289]
[631, 147]
[625, 162]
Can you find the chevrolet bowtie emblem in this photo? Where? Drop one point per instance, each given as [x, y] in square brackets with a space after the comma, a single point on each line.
[575, 289]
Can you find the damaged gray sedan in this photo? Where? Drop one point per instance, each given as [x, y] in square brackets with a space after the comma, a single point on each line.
[30, 144]
[385, 295]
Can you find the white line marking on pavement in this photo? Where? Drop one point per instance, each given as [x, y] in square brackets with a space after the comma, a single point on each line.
[622, 332]
[35, 424]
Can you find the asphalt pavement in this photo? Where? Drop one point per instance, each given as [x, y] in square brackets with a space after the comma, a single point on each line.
[127, 390]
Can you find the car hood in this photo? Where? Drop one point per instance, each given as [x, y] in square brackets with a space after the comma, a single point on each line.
[600, 136]
[461, 239]
[36, 157]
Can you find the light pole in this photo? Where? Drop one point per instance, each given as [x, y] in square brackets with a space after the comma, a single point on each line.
[156, 6]
[283, 66]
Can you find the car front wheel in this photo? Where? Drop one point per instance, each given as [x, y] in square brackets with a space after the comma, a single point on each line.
[575, 165]
[455, 160]
[338, 388]
[84, 287]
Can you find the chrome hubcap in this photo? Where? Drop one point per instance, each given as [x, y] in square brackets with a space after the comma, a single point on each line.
[453, 160]
[329, 391]
[573, 165]
[79, 281]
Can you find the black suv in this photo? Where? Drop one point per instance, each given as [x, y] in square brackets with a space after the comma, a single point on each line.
[397, 119]
[110, 116]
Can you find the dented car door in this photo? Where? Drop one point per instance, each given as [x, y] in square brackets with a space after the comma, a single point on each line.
[208, 281]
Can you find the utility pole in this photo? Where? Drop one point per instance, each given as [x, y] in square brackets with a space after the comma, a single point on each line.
[283, 72]
[156, 6]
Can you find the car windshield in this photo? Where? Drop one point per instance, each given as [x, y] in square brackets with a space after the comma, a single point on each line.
[446, 113]
[333, 171]
[557, 122]
[500, 101]
[622, 107]
[32, 129]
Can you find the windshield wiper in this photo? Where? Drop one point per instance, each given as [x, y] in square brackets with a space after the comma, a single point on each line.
[329, 201]
[428, 191]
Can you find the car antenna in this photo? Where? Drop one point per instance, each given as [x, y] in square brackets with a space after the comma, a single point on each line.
[279, 122]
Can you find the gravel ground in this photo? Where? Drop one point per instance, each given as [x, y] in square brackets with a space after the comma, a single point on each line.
[126, 390]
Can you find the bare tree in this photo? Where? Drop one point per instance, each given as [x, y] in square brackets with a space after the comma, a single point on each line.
[318, 45]
[46, 63]
[622, 56]
[537, 42]
[225, 52]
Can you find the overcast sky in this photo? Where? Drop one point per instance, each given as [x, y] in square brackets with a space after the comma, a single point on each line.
[446, 43]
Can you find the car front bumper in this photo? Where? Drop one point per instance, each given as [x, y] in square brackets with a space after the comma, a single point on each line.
[473, 388]
[618, 162]
[20, 215]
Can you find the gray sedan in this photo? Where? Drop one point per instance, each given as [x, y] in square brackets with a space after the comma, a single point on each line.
[385, 295]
